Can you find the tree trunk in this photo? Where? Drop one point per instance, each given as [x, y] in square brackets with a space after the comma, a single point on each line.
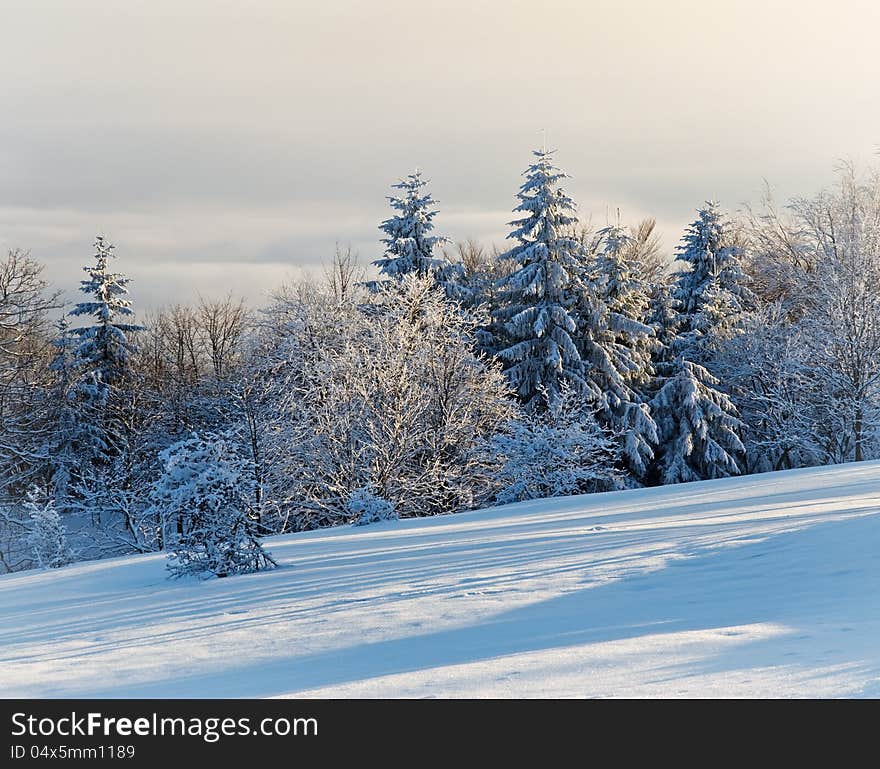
[857, 434]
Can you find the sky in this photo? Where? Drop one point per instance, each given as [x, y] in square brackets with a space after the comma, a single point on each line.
[227, 146]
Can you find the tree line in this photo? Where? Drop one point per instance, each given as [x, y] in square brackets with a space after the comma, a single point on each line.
[577, 360]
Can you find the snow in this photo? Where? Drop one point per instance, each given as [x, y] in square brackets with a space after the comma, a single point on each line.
[759, 586]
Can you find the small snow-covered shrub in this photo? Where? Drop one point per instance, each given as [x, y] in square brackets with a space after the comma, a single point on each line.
[46, 534]
[561, 452]
[365, 506]
[204, 494]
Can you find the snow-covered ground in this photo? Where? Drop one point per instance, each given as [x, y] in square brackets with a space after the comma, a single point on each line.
[762, 586]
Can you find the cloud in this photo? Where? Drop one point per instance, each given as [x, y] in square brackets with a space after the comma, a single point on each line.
[213, 138]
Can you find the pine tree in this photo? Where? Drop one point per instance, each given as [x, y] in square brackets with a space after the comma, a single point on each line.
[537, 301]
[64, 343]
[46, 533]
[616, 345]
[663, 317]
[104, 349]
[698, 425]
[711, 289]
[409, 245]
[205, 493]
[622, 288]
[103, 352]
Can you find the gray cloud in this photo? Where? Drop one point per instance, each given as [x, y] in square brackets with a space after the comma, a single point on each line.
[224, 144]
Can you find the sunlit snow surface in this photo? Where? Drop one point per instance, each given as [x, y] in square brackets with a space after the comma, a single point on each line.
[762, 586]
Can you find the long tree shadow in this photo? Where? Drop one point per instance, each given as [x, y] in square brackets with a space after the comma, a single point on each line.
[787, 579]
[119, 609]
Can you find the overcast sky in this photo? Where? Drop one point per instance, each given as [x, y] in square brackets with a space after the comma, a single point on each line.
[225, 145]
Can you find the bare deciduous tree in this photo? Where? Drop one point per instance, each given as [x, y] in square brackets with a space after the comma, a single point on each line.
[222, 322]
[343, 273]
[25, 350]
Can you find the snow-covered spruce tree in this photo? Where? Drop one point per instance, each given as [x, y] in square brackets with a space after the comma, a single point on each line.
[621, 286]
[203, 498]
[537, 301]
[698, 426]
[46, 533]
[409, 244]
[102, 356]
[664, 319]
[559, 452]
[711, 289]
[616, 345]
[472, 282]
[104, 348]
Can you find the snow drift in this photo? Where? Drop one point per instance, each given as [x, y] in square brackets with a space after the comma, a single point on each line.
[759, 586]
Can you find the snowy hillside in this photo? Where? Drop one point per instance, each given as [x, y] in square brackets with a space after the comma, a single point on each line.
[760, 586]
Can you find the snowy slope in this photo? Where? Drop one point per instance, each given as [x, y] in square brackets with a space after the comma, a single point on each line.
[767, 585]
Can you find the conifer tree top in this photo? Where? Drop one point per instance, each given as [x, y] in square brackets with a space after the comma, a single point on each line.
[706, 240]
[107, 288]
[538, 308]
[549, 211]
[711, 288]
[409, 246]
[104, 347]
[64, 344]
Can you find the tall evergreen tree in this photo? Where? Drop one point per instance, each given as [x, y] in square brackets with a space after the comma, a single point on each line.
[711, 289]
[409, 244]
[537, 302]
[663, 317]
[104, 349]
[699, 424]
[616, 345]
[102, 356]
